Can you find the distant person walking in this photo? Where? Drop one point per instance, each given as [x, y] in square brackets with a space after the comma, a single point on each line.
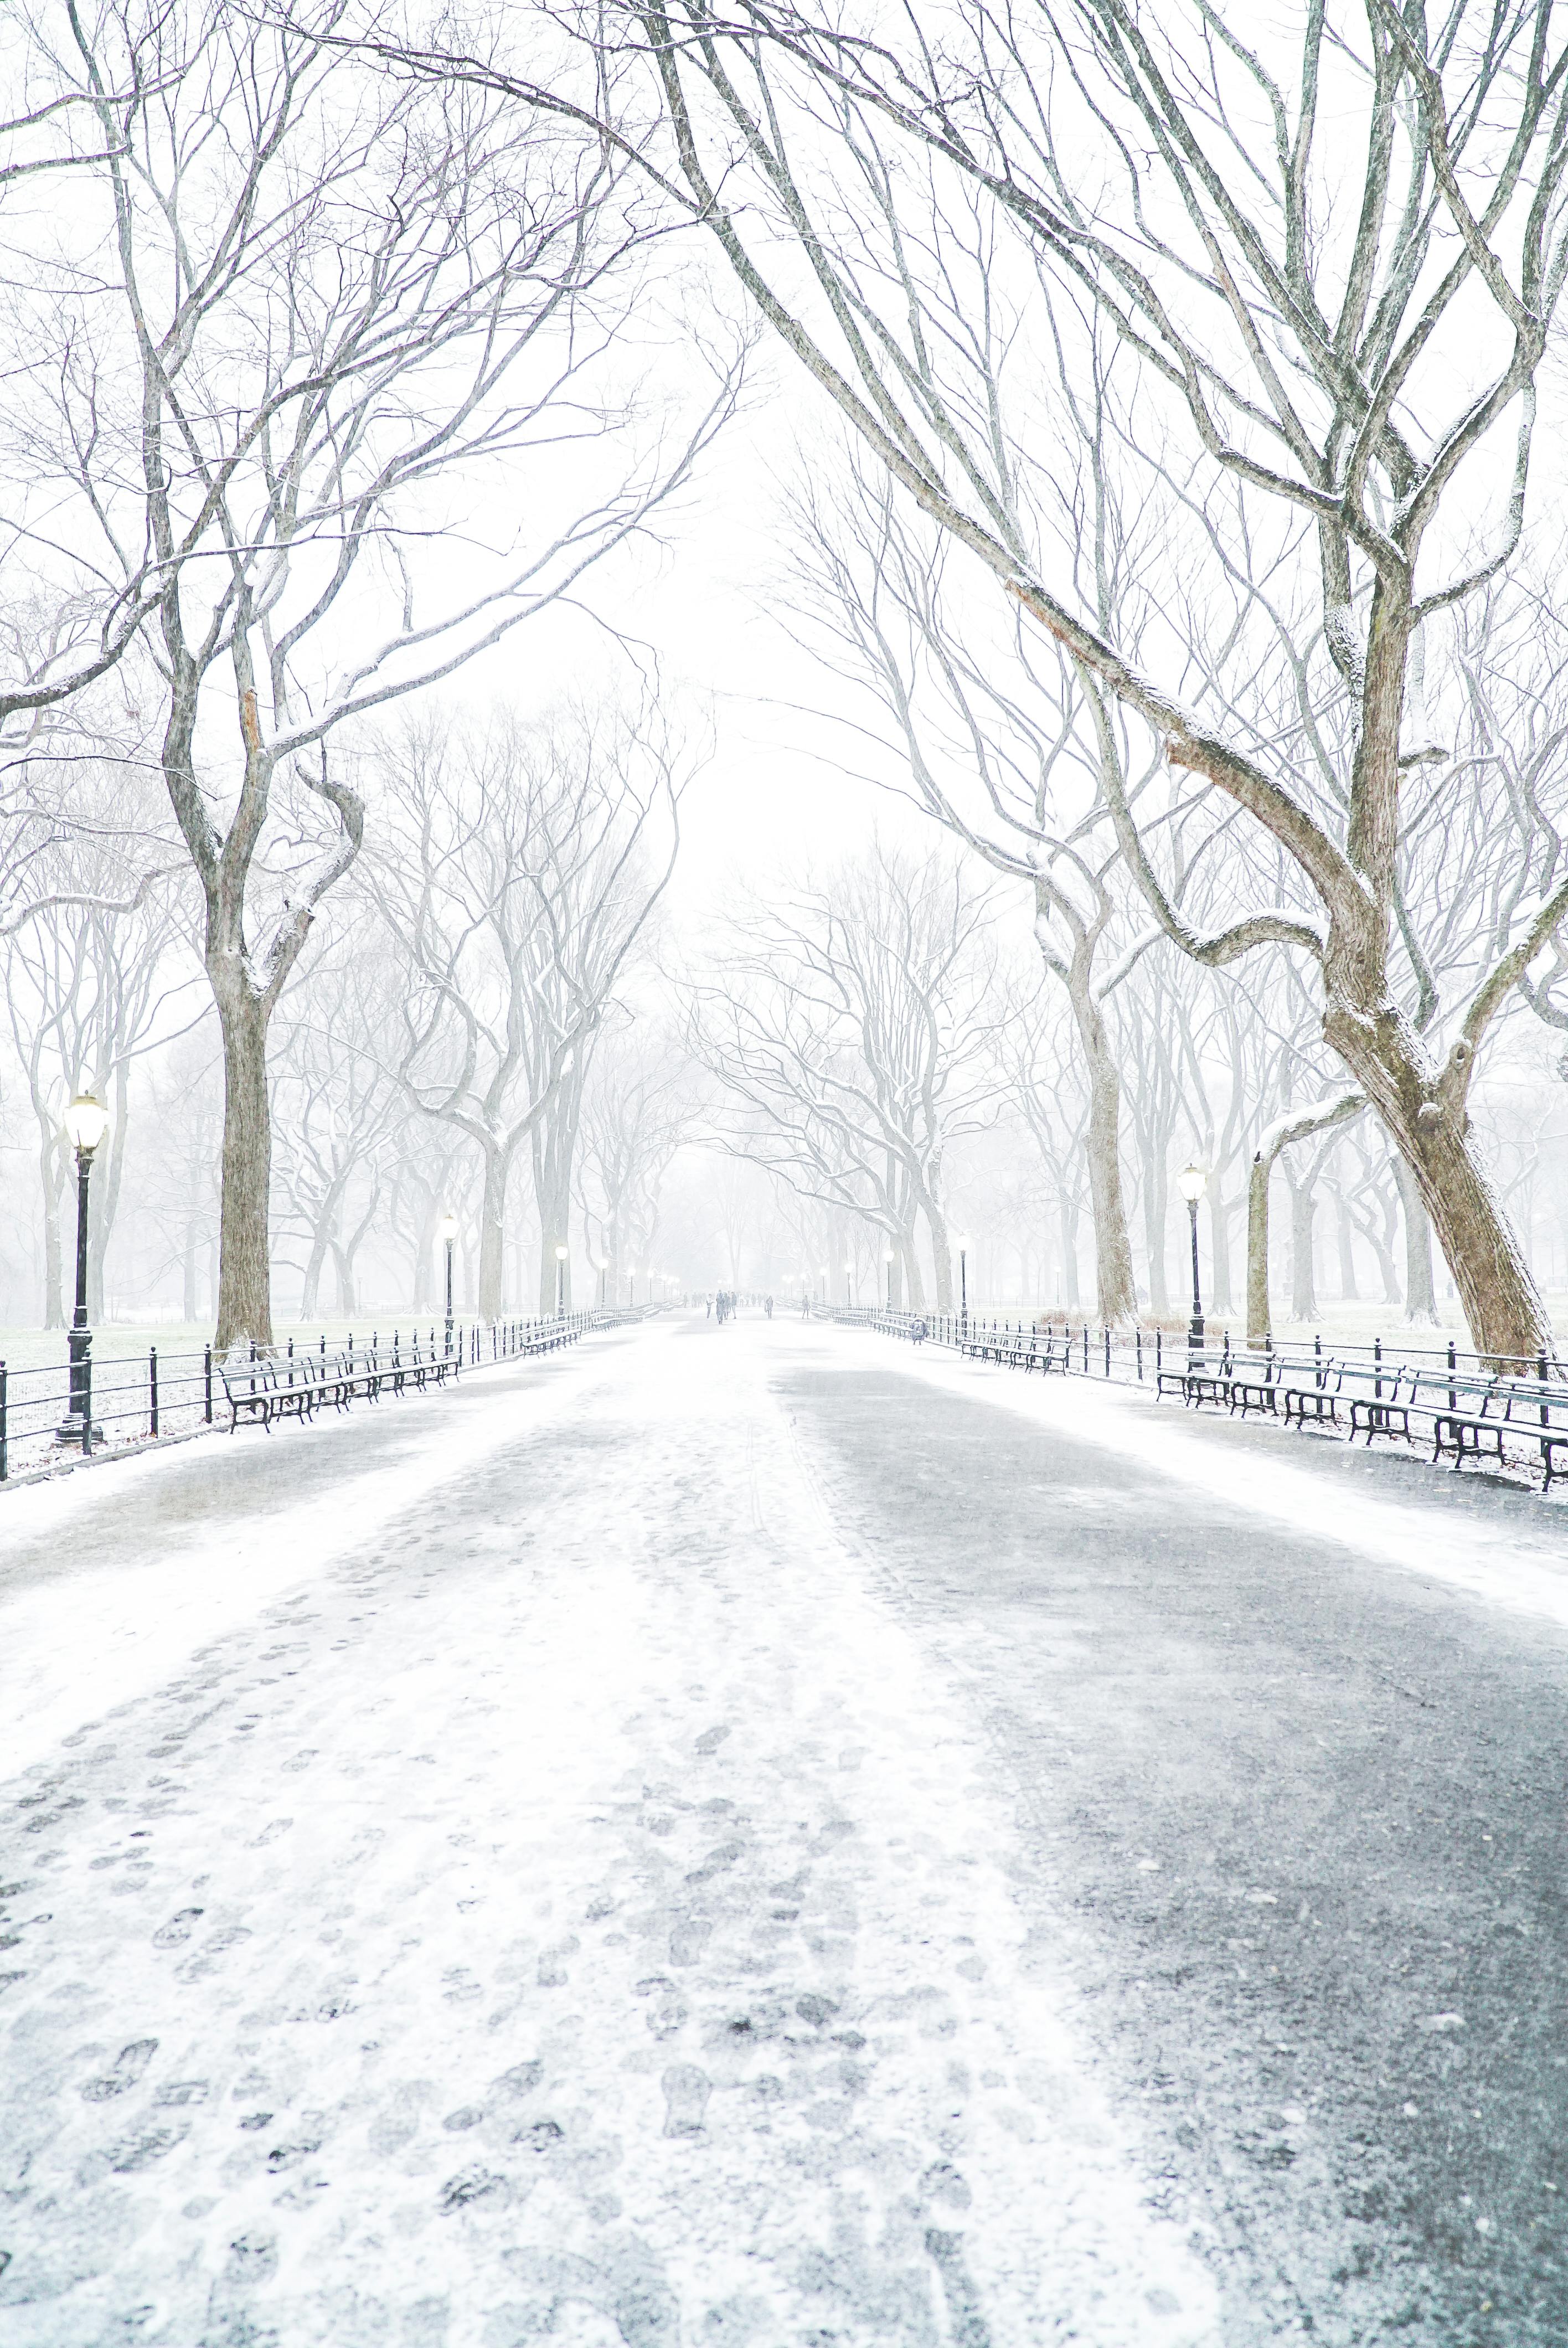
[768, 1306]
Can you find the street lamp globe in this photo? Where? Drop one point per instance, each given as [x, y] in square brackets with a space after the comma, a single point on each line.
[563, 1253]
[1191, 1182]
[446, 1229]
[86, 1121]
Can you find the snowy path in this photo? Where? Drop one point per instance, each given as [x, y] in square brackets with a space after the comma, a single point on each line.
[506, 1866]
[1289, 1730]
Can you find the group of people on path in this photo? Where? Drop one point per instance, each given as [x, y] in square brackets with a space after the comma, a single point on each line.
[726, 1303]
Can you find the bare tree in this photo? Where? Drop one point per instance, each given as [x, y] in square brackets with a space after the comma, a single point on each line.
[996, 742]
[637, 1112]
[313, 306]
[515, 874]
[336, 1104]
[98, 975]
[1338, 345]
[852, 1030]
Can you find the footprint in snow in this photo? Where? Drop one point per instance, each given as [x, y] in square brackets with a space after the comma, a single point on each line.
[179, 1928]
[129, 2064]
[686, 2093]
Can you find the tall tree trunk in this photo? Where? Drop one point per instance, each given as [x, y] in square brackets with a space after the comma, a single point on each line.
[492, 1234]
[55, 1315]
[1293, 1125]
[1349, 1291]
[1303, 1218]
[1116, 1291]
[1155, 1235]
[244, 1269]
[1421, 1290]
[914, 1282]
[1430, 1130]
[1258, 1323]
[315, 1263]
[1221, 1209]
[1070, 1292]
[941, 1250]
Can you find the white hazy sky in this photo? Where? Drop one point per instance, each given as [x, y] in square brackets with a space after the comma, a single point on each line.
[773, 794]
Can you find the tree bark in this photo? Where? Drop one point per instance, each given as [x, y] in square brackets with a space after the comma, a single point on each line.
[492, 1235]
[1116, 1291]
[1220, 1212]
[1303, 1282]
[1421, 1290]
[1069, 1293]
[1425, 1117]
[244, 1272]
[49, 1174]
[1155, 1235]
[1349, 1290]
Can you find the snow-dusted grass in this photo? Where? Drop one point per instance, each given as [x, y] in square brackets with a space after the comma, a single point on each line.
[538, 1888]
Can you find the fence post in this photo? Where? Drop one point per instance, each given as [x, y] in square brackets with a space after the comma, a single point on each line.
[1378, 1368]
[5, 1424]
[207, 1378]
[88, 1402]
[1086, 1349]
[1107, 1338]
[152, 1382]
[1541, 1373]
[1159, 1355]
[1453, 1397]
[1138, 1341]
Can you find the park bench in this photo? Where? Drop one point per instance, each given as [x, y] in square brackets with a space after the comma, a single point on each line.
[1483, 1430]
[1386, 1409]
[1198, 1380]
[1020, 1350]
[1252, 1381]
[269, 1387]
[1316, 1404]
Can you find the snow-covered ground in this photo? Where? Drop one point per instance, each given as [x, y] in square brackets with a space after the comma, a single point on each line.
[500, 1868]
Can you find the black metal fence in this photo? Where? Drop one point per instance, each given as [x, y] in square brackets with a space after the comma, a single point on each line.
[129, 1400]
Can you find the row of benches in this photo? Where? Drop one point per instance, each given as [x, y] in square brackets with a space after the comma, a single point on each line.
[278, 1386]
[1474, 1416]
[1020, 1349]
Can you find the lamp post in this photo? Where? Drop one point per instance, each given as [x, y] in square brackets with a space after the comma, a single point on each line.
[602, 1268]
[446, 1230]
[86, 1122]
[1191, 1182]
[848, 1278]
[964, 1286]
[888, 1260]
[825, 1283]
[561, 1255]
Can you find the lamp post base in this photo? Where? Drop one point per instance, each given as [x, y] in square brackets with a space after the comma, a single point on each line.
[1195, 1334]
